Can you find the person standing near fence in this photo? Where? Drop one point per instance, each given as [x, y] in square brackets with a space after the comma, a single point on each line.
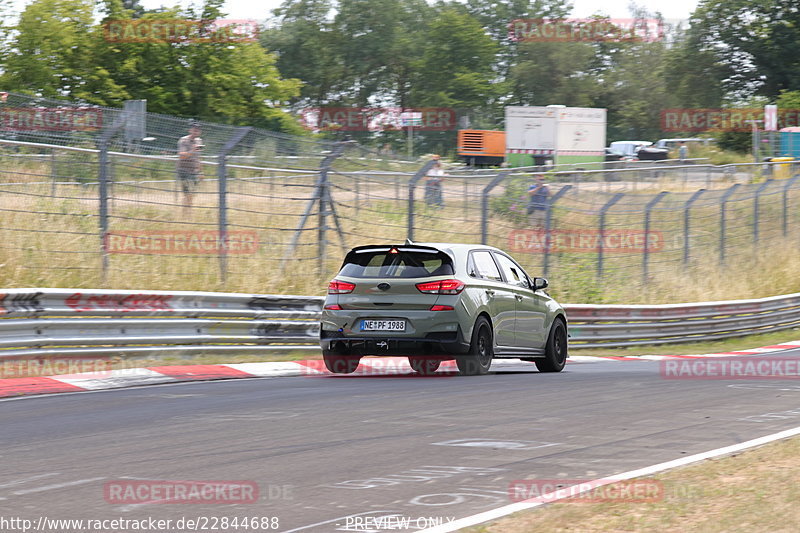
[683, 151]
[189, 169]
[538, 193]
[433, 184]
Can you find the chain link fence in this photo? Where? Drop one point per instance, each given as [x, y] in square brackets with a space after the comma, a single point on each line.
[100, 203]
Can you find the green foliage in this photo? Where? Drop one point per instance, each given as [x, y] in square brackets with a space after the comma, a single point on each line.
[789, 100]
[64, 52]
[513, 203]
[735, 141]
[755, 40]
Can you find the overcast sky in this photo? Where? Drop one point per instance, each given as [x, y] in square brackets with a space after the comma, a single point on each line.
[247, 9]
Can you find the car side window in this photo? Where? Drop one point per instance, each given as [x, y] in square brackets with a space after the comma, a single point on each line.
[512, 271]
[484, 266]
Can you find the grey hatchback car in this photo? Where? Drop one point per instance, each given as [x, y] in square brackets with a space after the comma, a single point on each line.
[436, 302]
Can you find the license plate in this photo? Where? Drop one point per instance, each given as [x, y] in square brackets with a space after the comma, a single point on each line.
[383, 325]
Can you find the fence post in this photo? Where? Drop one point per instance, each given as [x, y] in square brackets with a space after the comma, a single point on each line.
[786, 188]
[646, 254]
[412, 184]
[53, 171]
[686, 222]
[722, 221]
[222, 182]
[319, 198]
[548, 223]
[614, 199]
[756, 212]
[102, 187]
[485, 203]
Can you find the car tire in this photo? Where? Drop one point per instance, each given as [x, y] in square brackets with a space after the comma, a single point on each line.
[481, 351]
[424, 365]
[556, 350]
[340, 363]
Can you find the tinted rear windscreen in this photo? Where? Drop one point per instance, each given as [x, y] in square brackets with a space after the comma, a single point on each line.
[408, 264]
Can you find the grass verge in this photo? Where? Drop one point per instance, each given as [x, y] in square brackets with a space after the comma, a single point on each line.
[755, 490]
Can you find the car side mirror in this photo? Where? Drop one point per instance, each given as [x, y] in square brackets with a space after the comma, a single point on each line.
[539, 283]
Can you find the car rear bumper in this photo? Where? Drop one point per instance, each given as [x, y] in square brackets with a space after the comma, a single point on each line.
[433, 344]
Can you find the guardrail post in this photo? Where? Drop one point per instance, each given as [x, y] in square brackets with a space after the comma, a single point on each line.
[646, 255]
[785, 222]
[485, 203]
[548, 222]
[222, 182]
[686, 223]
[756, 211]
[722, 222]
[614, 199]
[412, 185]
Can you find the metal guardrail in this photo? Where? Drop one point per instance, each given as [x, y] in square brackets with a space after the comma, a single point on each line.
[80, 322]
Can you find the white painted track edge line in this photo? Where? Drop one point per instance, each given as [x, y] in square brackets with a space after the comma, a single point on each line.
[506, 510]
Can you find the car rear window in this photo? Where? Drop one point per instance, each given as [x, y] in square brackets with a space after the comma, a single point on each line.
[383, 263]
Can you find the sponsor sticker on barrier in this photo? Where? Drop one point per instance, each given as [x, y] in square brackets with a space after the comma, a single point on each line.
[586, 490]
[585, 241]
[81, 302]
[188, 242]
[24, 303]
[734, 368]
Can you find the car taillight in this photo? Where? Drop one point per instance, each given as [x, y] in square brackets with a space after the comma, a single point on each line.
[340, 287]
[445, 286]
[333, 307]
[442, 308]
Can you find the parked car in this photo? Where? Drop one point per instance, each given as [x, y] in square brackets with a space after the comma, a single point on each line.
[638, 150]
[436, 302]
[628, 149]
[651, 153]
[611, 155]
[671, 144]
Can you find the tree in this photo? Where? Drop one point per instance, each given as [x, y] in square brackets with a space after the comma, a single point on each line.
[52, 53]
[455, 69]
[756, 40]
[306, 47]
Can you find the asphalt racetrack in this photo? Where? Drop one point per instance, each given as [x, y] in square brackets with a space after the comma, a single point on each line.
[337, 453]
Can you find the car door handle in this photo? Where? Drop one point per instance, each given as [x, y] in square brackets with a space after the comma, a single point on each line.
[518, 297]
[490, 292]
